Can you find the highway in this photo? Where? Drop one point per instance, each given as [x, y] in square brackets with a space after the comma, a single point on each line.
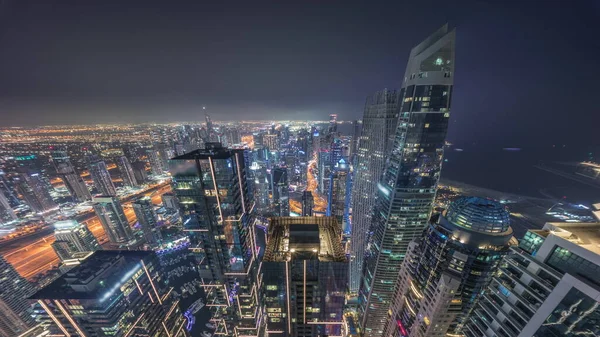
[320, 201]
[33, 254]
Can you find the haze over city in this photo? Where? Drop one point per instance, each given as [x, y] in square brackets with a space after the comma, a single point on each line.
[299, 169]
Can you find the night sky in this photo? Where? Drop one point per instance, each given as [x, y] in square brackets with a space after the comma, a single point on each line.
[526, 71]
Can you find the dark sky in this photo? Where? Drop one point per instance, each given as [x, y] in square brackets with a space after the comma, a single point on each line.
[526, 71]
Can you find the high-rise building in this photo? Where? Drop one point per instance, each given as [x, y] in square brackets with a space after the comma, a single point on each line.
[546, 286]
[144, 212]
[72, 180]
[15, 310]
[281, 191]
[77, 235]
[377, 136]
[211, 134]
[339, 196]
[169, 201]
[127, 173]
[111, 293]
[6, 212]
[407, 189]
[211, 187]
[156, 163]
[324, 170]
[101, 176]
[304, 277]
[356, 131]
[447, 268]
[113, 219]
[332, 123]
[35, 192]
[308, 203]
[139, 171]
[272, 141]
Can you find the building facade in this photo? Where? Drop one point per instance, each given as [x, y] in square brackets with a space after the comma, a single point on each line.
[408, 186]
[113, 219]
[547, 286]
[127, 173]
[144, 212]
[339, 194]
[101, 176]
[73, 181]
[377, 135]
[304, 277]
[215, 207]
[34, 190]
[308, 203]
[112, 293]
[281, 191]
[15, 309]
[73, 237]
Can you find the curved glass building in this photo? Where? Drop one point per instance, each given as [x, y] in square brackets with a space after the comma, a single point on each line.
[446, 270]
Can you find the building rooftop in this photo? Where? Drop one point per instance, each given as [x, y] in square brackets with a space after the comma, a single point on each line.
[211, 150]
[479, 215]
[307, 238]
[97, 277]
[585, 235]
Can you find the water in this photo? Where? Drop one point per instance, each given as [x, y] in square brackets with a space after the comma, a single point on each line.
[515, 172]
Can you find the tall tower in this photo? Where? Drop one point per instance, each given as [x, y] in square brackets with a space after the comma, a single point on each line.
[407, 189]
[452, 263]
[212, 190]
[377, 136]
[304, 273]
[126, 172]
[156, 164]
[113, 219]
[144, 212]
[78, 235]
[34, 190]
[337, 203]
[281, 191]
[308, 203]
[15, 311]
[112, 293]
[72, 180]
[100, 176]
[6, 212]
[332, 123]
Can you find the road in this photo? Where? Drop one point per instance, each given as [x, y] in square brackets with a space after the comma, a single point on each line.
[34, 255]
[320, 201]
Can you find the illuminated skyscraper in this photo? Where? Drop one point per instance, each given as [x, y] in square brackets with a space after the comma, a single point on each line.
[72, 180]
[112, 293]
[35, 192]
[332, 123]
[377, 136]
[100, 176]
[156, 163]
[169, 201]
[272, 142]
[144, 212]
[15, 310]
[356, 130]
[6, 212]
[281, 191]
[339, 196]
[113, 219]
[139, 171]
[211, 187]
[308, 203]
[126, 172]
[78, 236]
[447, 268]
[407, 189]
[304, 277]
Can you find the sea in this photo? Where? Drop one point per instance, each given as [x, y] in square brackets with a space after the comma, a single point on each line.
[513, 170]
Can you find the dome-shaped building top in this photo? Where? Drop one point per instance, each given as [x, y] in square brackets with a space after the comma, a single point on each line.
[479, 214]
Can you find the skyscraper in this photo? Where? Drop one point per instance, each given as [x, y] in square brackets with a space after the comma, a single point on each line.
[156, 163]
[112, 293]
[15, 310]
[6, 212]
[72, 180]
[211, 187]
[79, 237]
[35, 192]
[272, 142]
[356, 130]
[169, 201]
[100, 176]
[337, 203]
[308, 203]
[546, 286]
[281, 191]
[139, 171]
[113, 219]
[332, 123]
[377, 136]
[447, 268]
[304, 277]
[407, 189]
[126, 172]
[144, 212]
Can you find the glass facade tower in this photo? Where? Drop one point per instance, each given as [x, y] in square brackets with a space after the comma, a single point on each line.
[72, 180]
[408, 186]
[377, 135]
